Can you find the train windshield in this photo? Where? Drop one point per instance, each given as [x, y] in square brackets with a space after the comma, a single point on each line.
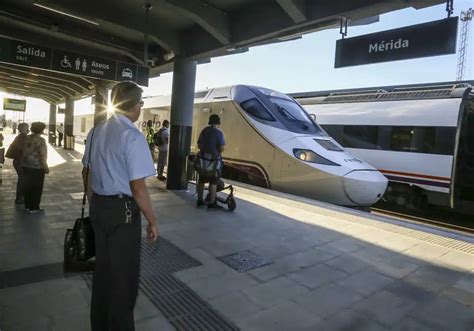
[288, 112]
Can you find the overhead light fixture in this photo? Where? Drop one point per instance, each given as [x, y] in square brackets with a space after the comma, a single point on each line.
[62, 12]
[25, 79]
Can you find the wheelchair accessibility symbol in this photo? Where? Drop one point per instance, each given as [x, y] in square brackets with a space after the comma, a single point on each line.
[65, 62]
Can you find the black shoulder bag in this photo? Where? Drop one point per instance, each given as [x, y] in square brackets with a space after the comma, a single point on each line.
[79, 243]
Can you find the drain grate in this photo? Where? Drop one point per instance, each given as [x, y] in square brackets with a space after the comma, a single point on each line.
[180, 305]
[245, 261]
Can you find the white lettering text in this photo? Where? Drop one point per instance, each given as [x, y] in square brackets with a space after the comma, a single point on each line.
[385, 46]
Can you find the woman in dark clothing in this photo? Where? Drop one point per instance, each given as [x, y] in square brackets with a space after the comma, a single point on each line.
[15, 152]
[34, 165]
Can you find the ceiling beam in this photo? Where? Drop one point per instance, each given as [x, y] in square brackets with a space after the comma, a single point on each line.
[44, 81]
[38, 85]
[161, 34]
[296, 9]
[45, 91]
[18, 24]
[211, 19]
[37, 95]
[80, 85]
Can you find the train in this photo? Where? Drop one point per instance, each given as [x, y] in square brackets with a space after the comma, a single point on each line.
[272, 142]
[421, 137]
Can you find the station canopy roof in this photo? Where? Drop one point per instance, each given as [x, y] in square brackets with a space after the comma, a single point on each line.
[198, 29]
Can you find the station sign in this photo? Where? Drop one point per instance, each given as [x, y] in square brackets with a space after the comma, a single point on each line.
[416, 41]
[14, 104]
[30, 55]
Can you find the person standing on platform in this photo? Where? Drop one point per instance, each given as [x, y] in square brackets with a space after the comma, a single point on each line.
[150, 134]
[119, 163]
[211, 144]
[60, 131]
[60, 134]
[161, 140]
[15, 152]
[35, 166]
[14, 126]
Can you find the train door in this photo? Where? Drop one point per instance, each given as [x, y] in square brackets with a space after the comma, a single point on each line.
[464, 177]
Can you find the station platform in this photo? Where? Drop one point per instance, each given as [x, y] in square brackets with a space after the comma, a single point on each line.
[300, 265]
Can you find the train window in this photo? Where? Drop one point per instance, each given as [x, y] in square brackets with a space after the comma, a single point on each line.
[413, 139]
[445, 140]
[256, 109]
[335, 131]
[364, 137]
[199, 95]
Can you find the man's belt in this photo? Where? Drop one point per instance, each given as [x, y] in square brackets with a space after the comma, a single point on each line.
[115, 196]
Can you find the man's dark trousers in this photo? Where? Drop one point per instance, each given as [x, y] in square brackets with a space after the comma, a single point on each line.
[115, 282]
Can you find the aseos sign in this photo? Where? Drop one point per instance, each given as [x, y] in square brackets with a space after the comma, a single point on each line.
[20, 53]
[422, 40]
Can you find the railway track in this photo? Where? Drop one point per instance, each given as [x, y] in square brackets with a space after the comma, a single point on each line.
[422, 220]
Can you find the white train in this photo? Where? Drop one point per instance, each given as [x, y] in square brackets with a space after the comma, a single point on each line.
[420, 137]
[272, 142]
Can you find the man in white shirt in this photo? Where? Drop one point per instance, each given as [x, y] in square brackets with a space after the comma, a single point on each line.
[119, 163]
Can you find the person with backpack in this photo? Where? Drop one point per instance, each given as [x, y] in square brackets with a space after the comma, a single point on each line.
[161, 139]
[211, 145]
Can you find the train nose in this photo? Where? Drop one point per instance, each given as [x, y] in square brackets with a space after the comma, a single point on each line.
[364, 187]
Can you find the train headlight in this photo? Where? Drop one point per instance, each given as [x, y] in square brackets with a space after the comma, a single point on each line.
[307, 155]
[302, 156]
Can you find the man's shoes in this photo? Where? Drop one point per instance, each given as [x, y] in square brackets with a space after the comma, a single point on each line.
[19, 202]
[162, 178]
[213, 205]
[199, 203]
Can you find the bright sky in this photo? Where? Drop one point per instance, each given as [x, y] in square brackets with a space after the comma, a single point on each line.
[308, 64]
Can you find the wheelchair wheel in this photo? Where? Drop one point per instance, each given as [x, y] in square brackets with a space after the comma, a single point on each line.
[231, 204]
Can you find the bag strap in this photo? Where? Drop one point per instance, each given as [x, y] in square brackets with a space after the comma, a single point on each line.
[86, 182]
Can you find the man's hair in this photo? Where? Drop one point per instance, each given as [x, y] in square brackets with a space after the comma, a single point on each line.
[38, 127]
[214, 119]
[166, 122]
[22, 126]
[126, 95]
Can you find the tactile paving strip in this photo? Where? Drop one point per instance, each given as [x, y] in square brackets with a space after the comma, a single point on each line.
[180, 305]
[245, 261]
[454, 244]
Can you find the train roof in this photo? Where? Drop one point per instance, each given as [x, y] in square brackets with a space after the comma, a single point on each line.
[386, 93]
[203, 96]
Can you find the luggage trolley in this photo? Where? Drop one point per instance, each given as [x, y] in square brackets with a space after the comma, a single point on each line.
[193, 175]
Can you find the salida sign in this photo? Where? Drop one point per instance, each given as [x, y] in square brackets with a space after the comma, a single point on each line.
[422, 40]
[21, 53]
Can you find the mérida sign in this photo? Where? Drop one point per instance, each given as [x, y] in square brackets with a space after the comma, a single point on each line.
[421, 40]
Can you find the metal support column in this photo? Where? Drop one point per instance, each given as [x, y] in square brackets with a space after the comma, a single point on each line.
[182, 103]
[69, 124]
[52, 124]
[101, 97]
